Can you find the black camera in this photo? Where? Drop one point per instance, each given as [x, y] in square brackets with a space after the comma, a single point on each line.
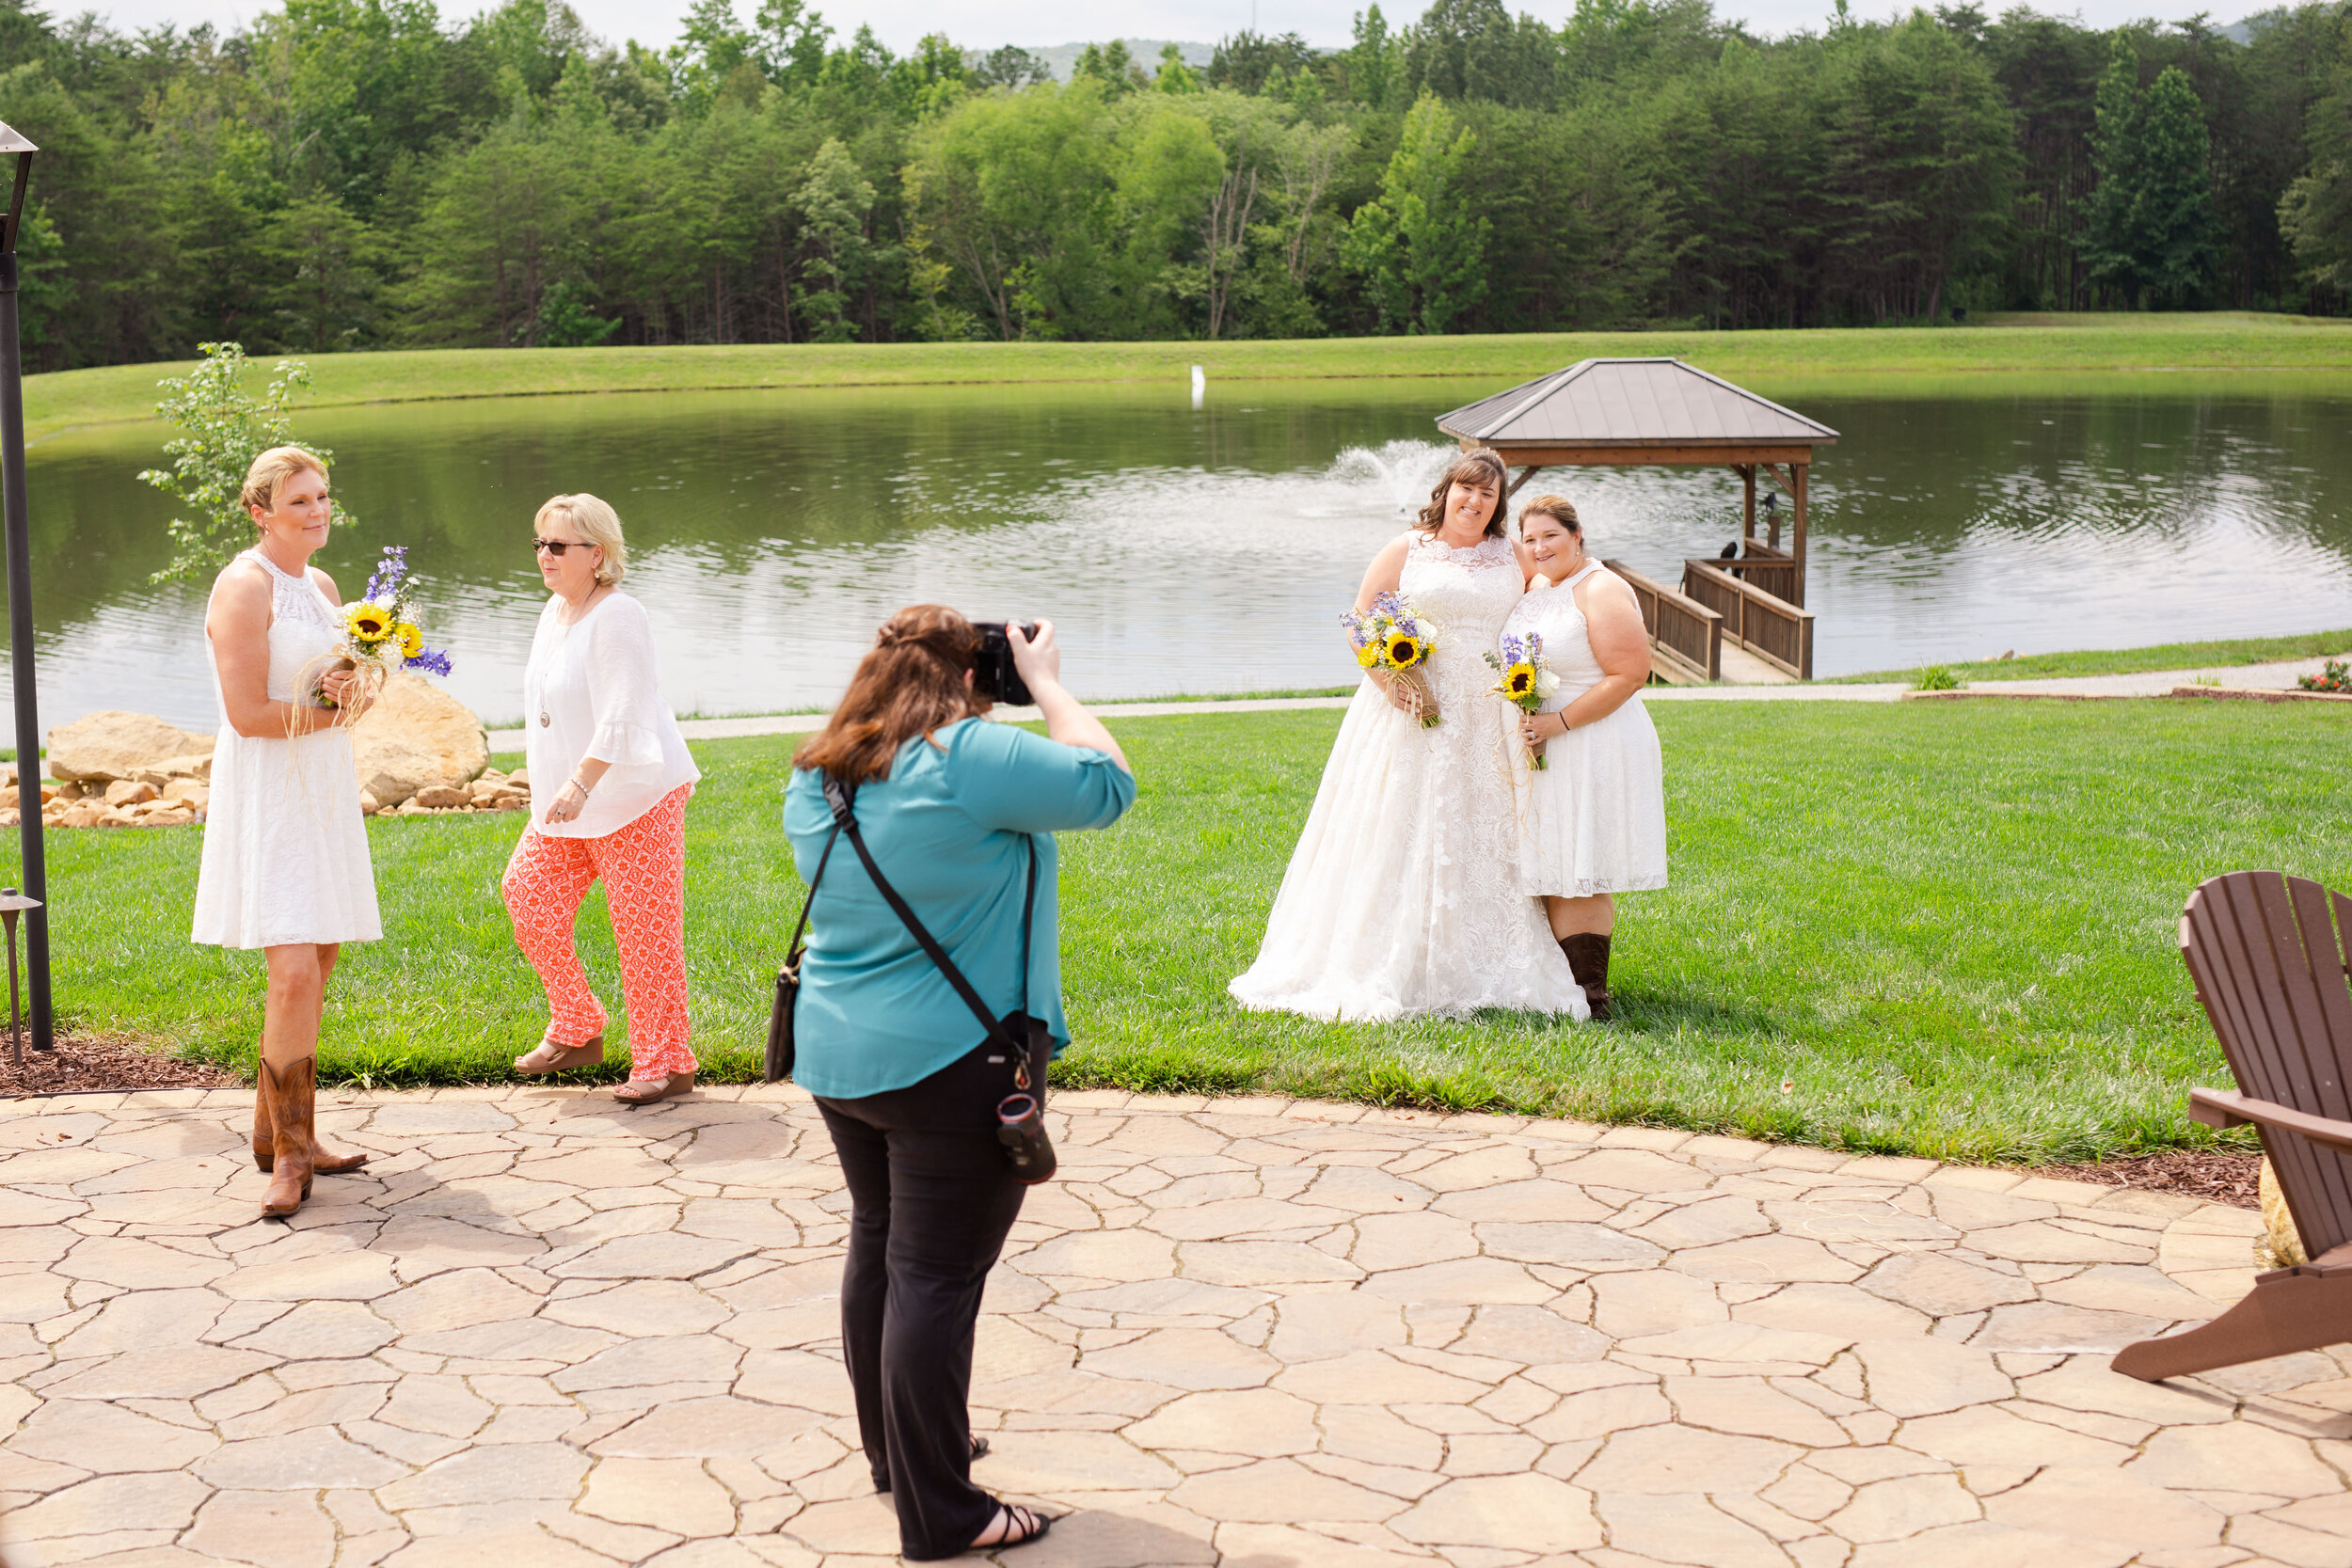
[992, 674]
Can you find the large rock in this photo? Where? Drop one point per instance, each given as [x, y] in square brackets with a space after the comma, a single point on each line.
[416, 736]
[99, 748]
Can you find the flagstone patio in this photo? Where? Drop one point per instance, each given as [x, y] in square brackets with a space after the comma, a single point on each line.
[545, 1329]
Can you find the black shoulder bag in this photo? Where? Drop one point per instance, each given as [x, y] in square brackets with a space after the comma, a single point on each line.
[780, 1052]
[1026, 1041]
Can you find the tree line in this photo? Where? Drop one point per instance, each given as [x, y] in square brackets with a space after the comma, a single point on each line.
[354, 174]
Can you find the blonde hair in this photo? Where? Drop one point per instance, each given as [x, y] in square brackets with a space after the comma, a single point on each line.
[1558, 508]
[273, 468]
[595, 521]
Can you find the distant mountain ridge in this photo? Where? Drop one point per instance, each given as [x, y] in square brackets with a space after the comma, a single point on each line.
[1062, 58]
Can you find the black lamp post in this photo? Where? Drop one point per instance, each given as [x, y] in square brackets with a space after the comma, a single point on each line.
[19, 555]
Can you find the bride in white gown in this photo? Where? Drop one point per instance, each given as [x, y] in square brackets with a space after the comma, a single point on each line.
[1403, 897]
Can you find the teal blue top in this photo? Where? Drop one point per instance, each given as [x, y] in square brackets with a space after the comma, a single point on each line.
[950, 827]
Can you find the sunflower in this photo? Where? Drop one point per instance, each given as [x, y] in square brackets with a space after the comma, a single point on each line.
[1404, 650]
[1520, 680]
[1368, 655]
[368, 621]
[411, 639]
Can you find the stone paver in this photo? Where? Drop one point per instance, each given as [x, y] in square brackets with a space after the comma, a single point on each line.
[1234, 1334]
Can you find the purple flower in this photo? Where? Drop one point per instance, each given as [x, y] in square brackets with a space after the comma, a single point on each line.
[433, 662]
[385, 584]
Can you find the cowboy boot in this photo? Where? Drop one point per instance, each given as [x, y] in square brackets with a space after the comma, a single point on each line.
[322, 1163]
[1587, 953]
[292, 1096]
[264, 1140]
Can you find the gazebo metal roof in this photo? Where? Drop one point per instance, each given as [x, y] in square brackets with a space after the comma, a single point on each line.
[1657, 410]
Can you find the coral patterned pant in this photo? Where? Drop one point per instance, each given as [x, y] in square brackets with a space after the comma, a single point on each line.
[644, 867]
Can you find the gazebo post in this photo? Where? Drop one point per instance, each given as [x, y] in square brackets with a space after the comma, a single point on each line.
[1747, 506]
[1797, 472]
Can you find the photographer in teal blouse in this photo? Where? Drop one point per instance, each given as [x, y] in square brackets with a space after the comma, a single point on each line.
[949, 804]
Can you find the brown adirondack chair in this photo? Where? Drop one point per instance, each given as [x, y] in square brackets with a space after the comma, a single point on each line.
[2271, 967]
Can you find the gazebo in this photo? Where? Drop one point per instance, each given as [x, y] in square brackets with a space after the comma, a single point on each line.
[1616, 413]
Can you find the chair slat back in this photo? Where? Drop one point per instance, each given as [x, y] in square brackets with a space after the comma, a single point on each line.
[2269, 965]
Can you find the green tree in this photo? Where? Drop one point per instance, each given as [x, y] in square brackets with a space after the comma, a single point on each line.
[1373, 65]
[2151, 232]
[224, 429]
[325, 268]
[832, 204]
[1420, 249]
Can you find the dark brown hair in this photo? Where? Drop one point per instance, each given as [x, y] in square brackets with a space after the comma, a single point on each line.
[1473, 468]
[1558, 508]
[911, 683]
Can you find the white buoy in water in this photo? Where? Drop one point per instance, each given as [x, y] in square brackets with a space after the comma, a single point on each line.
[1199, 385]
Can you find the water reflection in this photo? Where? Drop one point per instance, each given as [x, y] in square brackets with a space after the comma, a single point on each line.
[1210, 550]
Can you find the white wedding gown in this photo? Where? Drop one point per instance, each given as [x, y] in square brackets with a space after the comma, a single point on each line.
[1403, 897]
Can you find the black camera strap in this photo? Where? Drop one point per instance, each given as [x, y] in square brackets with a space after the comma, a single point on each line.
[844, 803]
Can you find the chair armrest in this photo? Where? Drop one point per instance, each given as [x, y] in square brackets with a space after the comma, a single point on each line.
[2228, 1108]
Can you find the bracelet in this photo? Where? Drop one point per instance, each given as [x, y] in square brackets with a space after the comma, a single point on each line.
[573, 782]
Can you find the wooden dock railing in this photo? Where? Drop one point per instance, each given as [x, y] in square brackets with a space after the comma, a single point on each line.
[1768, 626]
[1776, 572]
[1689, 634]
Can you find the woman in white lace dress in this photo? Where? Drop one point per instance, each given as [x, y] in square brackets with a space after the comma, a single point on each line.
[1596, 822]
[285, 864]
[1403, 897]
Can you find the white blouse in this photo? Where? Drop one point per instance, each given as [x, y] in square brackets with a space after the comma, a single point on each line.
[594, 690]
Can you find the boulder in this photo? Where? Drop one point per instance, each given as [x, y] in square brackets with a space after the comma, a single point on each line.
[417, 737]
[99, 748]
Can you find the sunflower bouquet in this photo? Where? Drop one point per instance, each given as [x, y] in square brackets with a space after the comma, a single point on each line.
[1526, 682]
[380, 632]
[1395, 637]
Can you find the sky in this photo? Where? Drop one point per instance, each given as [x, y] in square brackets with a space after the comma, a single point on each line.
[1043, 22]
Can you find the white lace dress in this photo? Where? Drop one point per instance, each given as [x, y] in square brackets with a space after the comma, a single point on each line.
[285, 848]
[1596, 822]
[1403, 897]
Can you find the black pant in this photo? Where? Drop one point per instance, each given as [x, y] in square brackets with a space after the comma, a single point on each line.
[932, 1199]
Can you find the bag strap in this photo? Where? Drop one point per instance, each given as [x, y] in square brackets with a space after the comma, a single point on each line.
[793, 950]
[844, 803]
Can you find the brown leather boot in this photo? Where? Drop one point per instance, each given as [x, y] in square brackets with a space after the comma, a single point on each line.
[265, 1139]
[291, 1104]
[1587, 953]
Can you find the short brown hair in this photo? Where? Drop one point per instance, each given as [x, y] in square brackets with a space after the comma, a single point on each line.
[1558, 508]
[1473, 468]
[911, 683]
[273, 468]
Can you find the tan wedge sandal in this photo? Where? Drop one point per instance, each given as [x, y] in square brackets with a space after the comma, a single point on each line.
[646, 1091]
[553, 1056]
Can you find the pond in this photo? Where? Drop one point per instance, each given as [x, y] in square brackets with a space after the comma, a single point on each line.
[1206, 550]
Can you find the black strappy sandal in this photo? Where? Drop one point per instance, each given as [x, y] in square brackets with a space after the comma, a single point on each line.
[1022, 1526]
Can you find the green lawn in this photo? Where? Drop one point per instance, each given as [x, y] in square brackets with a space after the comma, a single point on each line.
[1936, 929]
[2225, 339]
[2126, 661]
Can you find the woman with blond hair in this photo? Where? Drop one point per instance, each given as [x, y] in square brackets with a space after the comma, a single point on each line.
[1596, 823]
[959, 817]
[610, 778]
[285, 866]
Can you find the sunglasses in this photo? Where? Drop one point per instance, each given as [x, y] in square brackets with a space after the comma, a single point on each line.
[557, 546]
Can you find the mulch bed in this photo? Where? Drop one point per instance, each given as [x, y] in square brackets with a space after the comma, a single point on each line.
[2218, 1176]
[93, 1062]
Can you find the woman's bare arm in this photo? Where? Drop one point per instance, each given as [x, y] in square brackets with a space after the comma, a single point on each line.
[1613, 619]
[1384, 576]
[238, 625]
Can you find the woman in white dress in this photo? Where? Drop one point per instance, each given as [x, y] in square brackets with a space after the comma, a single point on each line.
[593, 712]
[285, 866]
[1596, 823]
[1403, 897]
